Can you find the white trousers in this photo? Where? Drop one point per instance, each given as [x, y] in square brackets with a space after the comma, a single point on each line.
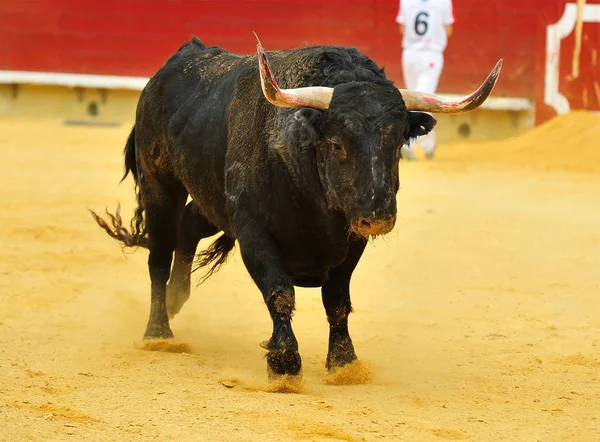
[421, 71]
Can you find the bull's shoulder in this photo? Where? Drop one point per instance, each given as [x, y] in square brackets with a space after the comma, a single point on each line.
[192, 69]
[195, 55]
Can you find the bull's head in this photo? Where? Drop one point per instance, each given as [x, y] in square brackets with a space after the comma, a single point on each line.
[359, 129]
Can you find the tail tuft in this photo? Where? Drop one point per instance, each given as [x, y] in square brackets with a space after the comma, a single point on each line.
[136, 236]
[215, 254]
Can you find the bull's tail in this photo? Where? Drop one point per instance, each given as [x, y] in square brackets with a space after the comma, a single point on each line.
[136, 236]
[216, 254]
[129, 153]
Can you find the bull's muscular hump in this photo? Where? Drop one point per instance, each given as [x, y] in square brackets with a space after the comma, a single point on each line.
[291, 154]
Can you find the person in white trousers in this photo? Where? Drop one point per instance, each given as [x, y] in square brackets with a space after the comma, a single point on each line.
[425, 26]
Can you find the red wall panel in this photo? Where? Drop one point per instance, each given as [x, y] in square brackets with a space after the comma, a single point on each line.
[135, 37]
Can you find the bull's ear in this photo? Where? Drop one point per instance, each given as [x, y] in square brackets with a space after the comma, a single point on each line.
[419, 123]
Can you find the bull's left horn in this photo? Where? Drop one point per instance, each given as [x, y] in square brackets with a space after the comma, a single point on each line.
[314, 96]
[419, 101]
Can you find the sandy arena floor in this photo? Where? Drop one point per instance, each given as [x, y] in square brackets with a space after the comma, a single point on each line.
[478, 317]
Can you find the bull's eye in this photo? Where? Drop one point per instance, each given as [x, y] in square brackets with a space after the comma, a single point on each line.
[339, 150]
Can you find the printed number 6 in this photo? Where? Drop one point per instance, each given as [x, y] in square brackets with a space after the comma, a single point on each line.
[420, 23]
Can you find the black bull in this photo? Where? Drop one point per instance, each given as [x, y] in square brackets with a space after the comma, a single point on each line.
[300, 179]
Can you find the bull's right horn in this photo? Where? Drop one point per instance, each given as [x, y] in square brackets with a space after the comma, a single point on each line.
[419, 101]
[317, 97]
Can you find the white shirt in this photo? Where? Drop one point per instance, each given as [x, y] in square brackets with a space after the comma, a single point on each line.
[424, 23]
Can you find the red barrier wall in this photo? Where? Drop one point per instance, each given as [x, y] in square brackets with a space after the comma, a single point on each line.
[135, 37]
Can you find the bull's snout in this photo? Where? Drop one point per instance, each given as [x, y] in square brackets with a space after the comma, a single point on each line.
[373, 226]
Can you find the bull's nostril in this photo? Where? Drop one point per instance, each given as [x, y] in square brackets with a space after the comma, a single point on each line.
[367, 226]
[364, 224]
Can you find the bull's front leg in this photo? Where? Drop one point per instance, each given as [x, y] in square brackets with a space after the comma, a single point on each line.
[263, 260]
[336, 300]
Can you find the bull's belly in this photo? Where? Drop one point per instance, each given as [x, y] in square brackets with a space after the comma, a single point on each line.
[213, 209]
[310, 280]
[311, 269]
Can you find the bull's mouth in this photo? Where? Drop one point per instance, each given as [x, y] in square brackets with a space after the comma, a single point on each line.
[373, 226]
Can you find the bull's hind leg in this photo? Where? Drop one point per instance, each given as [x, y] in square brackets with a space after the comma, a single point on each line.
[163, 200]
[336, 300]
[194, 226]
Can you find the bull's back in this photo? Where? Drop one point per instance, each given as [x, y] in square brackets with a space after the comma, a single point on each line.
[184, 110]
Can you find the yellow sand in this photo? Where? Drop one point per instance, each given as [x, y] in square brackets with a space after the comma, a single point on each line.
[568, 143]
[478, 317]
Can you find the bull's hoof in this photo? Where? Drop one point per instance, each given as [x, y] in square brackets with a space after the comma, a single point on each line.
[283, 362]
[341, 353]
[158, 331]
[339, 359]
